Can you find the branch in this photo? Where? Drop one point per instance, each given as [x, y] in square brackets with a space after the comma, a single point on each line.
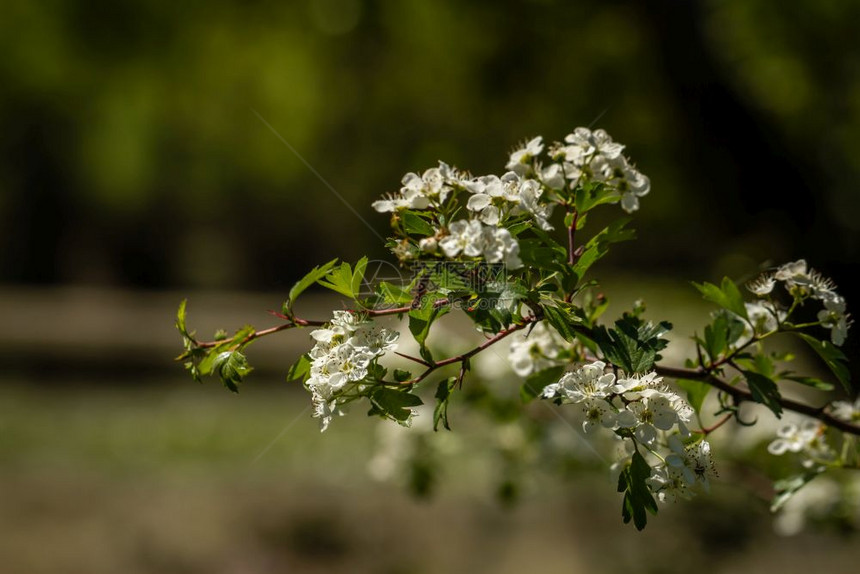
[741, 394]
[293, 322]
[472, 352]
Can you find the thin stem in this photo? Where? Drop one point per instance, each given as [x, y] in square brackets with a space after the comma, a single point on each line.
[571, 236]
[708, 430]
[462, 358]
[741, 394]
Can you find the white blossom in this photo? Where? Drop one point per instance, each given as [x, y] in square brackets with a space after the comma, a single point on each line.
[535, 350]
[344, 350]
[846, 411]
[522, 157]
[587, 382]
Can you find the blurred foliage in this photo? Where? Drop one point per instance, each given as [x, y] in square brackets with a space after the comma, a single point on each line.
[132, 152]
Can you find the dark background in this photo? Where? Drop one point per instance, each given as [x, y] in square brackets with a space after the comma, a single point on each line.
[132, 156]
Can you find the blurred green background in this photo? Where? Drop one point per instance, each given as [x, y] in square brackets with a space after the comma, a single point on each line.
[138, 165]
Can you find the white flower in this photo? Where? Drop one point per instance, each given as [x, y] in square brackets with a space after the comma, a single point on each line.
[463, 237]
[846, 411]
[792, 272]
[520, 158]
[630, 183]
[763, 285]
[499, 246]
[650, 414]
[530, 193]
[833, 316]
[587, 382]
[598, 412]
[694, 461]
[808, 438]
[421, 191]
[535, 350]
[325, 410]
[552, 176]
[764, 317]
[669, 484]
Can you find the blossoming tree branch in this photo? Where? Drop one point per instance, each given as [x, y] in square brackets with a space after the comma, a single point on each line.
[514, 254]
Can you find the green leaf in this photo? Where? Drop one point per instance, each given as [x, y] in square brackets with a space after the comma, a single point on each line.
[764, 391]
[394, 404]
[421, 318]
[833, 358]
[727, 296]
[413, 223]
[536, 382]
[696, 392]
[180, 319]
[344, 280]
[637, 497]
[633, 345]
[563, 320]
[442, 396]
[811, 382]
[598, 246]
[231, 366]
[788, 487]
[312, 277]
[300, 368]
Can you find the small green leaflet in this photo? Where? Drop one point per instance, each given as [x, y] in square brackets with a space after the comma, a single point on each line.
[442, 396]
[344, 280]
[315, 275]
[637, 496]
[832, 356]
[393, 404]
[727, 296]
[764, 391]
[231, 366]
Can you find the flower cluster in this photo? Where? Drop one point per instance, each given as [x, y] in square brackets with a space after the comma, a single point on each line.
[340, 360]
[527, 192]
[802, 283]
[808, 439]
[471, 238]
[591, 156]
[644, 410]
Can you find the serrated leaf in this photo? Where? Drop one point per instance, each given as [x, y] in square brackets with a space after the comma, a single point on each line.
[598, 246]
[764, 391]
[727, 296]
[536, 382]
[833, 358]
[633, 345]
[696, 392]
[638, 500]
[442, 396]
[231, 366]
[414, 224]
[394, 404]
[562, 320]
[300, 368]
[312, 277]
